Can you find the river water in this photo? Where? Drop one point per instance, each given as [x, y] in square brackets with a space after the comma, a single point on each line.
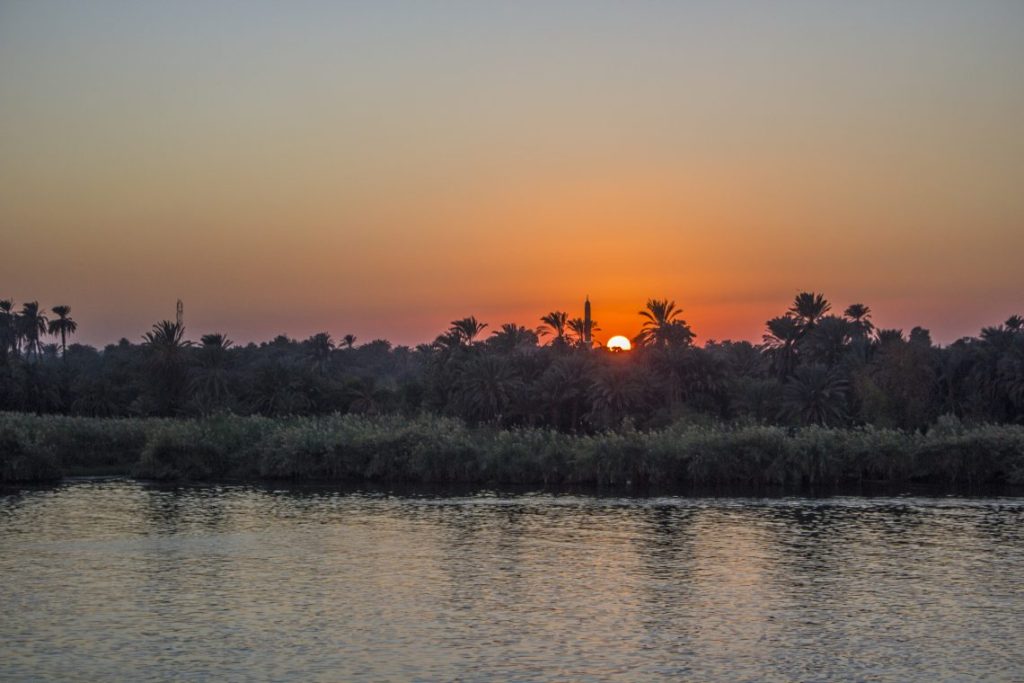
[117, 581]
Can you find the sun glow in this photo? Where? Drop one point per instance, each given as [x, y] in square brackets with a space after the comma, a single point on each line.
[619, 343]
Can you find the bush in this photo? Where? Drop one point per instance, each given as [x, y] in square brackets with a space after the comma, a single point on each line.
[22, 461]
[442, 450]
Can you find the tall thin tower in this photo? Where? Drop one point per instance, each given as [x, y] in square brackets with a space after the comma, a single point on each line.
[587, 324]
[180, 314]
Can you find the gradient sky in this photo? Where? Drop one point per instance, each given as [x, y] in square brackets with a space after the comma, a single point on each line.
[381, 168]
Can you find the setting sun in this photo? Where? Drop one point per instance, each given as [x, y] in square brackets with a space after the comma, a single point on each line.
[619, 343]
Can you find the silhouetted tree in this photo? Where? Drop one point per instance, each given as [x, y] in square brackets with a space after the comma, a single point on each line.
[211, 385]
[812, 368]
[781, 344]
[808, 308]
[554, 323]
[486, 388]
[859, 316]
[319, 347]
[63, 326]
[828, 341]
[167, 347]
[8, 329]
[466, 330]
[663, 325]
[512, 338]
[31, 326]
[815, 395]
[577, 330]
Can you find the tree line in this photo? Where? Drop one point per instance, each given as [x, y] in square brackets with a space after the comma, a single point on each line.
[814, 366]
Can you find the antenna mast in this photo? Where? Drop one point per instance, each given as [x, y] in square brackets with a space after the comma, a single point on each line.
[180, 315]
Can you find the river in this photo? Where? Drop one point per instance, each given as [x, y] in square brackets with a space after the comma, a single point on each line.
[114, 580]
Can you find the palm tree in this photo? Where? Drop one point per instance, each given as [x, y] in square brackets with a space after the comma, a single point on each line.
[887, 337]
[166, 338]
[320, 347]
[578, 330]
[1015, 323]
[815, 395]
[487, 386]
[829, 340]
[349, 340]
[167, 345]
[562, 390]
[63, 325]
[211, 384]
[467, 329]
[276, 390]
[363, 396]
[511, 338]
[781, 343]
[615, 393]
[663, 325]
[32, 325]
[808, 308]
[8, 328]
[860, 316]
[554, 323]
[217, 342]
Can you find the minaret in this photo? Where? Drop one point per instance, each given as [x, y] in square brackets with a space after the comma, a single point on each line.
[586, 323]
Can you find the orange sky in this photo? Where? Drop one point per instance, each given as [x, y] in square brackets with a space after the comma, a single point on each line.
[384, 169]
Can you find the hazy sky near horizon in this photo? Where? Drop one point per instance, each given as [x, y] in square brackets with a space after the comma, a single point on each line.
[382, 168]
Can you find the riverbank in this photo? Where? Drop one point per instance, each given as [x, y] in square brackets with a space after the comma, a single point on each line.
[430, 449]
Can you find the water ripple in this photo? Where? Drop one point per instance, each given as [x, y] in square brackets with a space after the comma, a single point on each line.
[119, 581]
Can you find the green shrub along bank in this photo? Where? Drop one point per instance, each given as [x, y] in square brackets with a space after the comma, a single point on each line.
[442, 450]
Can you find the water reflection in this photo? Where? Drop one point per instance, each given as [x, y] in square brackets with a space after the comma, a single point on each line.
[119, 581]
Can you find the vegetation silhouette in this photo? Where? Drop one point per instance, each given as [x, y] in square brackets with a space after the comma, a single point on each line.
[813, 369]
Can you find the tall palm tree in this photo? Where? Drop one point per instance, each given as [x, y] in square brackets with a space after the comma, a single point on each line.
[320, 347]
[663, 325]
[32, 325]
[578, 329]
[780, 343]
[167, 346]
[808, 308]
[1015, 323]
[467, 329]
[829, 340]
[63, 326]
[511, 338]
[349, 340]
[211, 383]
[554, 323]
[860, 316]
[887, 337]
[166, 339]
[8, 328]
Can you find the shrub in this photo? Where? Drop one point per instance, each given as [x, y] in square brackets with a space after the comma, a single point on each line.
[25, 462]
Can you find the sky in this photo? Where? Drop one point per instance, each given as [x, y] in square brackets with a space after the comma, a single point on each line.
[382, 168]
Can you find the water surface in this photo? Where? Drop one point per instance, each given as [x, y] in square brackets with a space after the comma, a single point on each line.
[114, 580]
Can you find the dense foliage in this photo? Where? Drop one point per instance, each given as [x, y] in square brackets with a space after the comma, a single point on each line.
[434, 449]
[813, 368]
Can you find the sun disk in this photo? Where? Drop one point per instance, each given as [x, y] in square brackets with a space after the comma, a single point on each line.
[619, 343]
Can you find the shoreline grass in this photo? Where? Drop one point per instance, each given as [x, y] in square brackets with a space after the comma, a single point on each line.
[436, 450]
